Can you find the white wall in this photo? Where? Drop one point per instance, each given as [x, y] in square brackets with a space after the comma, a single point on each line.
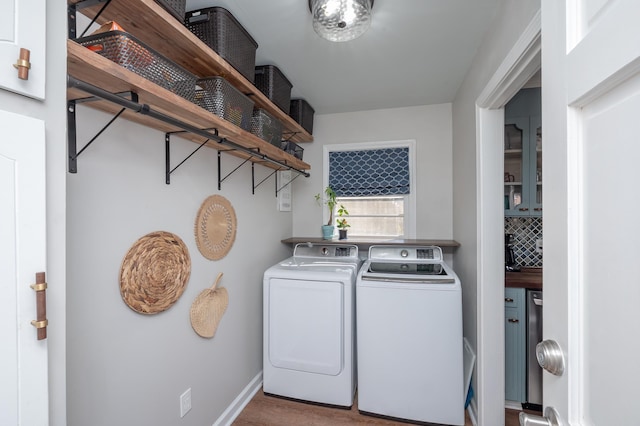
[429, 126]
[509, 23]
[52, 112]
[125, 368]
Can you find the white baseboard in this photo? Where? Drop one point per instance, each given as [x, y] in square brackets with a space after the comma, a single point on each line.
[241, 401]
[513, 405]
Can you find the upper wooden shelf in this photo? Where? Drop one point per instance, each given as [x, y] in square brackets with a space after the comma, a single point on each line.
[149, 22]
[89, 67]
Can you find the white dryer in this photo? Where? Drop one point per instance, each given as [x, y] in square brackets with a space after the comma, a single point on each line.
[309, 325]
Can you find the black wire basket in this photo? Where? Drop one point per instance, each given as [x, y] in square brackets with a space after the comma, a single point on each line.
[302, 113]
[129, 52]
[174, 7]
[272, 82]
[293, 149]
[218, 96]
[220, 30]
[266, 127]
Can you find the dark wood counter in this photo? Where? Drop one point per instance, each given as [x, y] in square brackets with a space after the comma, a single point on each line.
[365, 243]
[526, 278]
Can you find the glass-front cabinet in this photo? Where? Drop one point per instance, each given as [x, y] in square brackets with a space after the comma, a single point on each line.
[523, 158]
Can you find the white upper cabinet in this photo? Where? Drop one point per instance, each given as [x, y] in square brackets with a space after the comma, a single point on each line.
[22, 26]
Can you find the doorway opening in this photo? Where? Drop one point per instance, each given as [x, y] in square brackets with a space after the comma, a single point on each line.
[520, 65]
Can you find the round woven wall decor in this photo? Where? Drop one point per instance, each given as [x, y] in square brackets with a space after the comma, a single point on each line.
[155, 272]
[215, 227]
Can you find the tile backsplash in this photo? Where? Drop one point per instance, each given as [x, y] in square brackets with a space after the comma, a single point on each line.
[525, 230]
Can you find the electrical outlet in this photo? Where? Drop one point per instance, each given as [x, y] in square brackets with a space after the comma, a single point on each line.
[185, 402]
[539, 245]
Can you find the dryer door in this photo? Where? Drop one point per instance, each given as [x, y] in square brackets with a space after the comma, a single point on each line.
[306, 323]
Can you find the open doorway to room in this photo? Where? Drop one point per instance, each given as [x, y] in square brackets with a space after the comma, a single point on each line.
[520, 65]
[523, 246]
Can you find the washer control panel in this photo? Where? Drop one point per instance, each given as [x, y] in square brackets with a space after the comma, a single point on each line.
[382, 252]
[326, 250]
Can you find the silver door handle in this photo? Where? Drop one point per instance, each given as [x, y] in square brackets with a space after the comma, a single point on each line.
[550, 357]
[551, 418]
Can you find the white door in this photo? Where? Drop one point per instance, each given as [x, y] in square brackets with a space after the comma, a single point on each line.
[22, 25]
[23, 358]
[591, 107]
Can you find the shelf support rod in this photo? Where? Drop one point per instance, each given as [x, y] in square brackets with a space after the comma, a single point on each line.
[167, 152]
[146, 110]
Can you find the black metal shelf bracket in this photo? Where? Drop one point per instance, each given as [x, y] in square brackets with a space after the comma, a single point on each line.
[290, 136]
[71, 15]
[254, 154]
[73, 153]
[222, 179]
[253, 179]
[167, 152]
[285, 185]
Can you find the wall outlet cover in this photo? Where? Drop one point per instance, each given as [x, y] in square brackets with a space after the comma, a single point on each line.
[185, 402]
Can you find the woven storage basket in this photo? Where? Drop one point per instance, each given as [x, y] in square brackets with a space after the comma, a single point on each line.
[208, 308]
[293, 149]
[129, 52]
[220, 30]
[154, 272]
[174, 7]
[302, 113]
[270, 81]
[218, 96]
[266, 127]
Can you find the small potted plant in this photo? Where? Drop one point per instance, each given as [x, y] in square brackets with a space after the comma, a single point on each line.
[342, 222]
[329, 198]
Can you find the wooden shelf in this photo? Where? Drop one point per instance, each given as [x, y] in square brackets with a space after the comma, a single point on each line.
[157, 28]
[88, 66]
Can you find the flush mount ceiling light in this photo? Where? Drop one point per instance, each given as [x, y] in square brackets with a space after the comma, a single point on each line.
[341, 20]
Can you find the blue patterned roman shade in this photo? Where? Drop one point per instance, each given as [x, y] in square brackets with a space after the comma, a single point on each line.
[369, 172]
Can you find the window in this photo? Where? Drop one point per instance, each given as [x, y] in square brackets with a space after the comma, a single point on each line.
[375, 184]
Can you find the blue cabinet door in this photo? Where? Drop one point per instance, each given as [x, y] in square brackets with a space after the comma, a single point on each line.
[515, 345]
[523, 154]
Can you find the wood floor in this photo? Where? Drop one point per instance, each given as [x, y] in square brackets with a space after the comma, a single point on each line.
[266, 410]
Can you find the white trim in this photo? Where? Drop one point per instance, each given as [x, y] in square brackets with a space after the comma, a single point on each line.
[410, 214]
[490, 266]
[518, 66]
[241, 401]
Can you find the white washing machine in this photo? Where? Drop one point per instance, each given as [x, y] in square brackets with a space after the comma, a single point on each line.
[409, 328]
[309, 325]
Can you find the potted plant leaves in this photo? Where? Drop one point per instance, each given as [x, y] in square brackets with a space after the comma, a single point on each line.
[329, 199]
[342, 222]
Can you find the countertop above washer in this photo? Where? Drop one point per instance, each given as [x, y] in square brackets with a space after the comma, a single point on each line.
[365, 243]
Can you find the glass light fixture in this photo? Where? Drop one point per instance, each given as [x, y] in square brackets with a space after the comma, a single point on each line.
[341, 20]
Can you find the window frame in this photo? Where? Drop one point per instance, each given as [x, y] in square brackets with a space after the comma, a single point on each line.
[410, 199]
